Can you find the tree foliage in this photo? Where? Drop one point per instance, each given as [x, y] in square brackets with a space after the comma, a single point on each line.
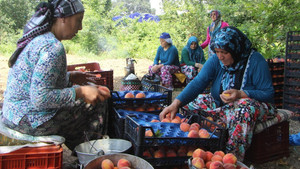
[265, 22]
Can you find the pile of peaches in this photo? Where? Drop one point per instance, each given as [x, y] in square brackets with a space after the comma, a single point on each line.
[139, 95]
[217, 160]
[122, 164]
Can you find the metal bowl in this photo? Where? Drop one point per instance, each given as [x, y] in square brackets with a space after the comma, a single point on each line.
[136, 162]
[90, 150]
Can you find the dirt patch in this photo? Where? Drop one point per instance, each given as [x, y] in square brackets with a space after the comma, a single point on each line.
[292, 162]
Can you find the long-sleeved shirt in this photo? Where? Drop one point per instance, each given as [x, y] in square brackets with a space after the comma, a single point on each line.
[168, 57]
[186, 59]
[257, 83]
[207, 41]
[37, 82]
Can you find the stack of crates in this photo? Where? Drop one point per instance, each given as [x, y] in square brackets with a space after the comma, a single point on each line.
[103, 77]
[169, 145]
[156, 98]
[276, 67]
[291, 94]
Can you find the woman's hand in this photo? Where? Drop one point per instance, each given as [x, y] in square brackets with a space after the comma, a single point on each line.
[155, 68]
[81, 78]
[173, 108]
[91, 94]
[199, 66]
[232, 95]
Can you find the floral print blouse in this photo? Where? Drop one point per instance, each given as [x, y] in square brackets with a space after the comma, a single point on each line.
[37, 84]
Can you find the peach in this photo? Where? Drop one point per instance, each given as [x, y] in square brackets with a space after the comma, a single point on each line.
[154, 120]
[140, 95]
[175, 121]
[189, 153]
[226, 94]
[141, 108]
[199, 153]
[124, 168]
[166, 120]
[184, 120]
[216, 157]
[221, 153]
[178, 118]
[207, 164]
[194, 128]
[123, 163]
[203, 133]
[208, 123]
[184, 127]
[151, 108]
[148, 133]
[193, 134]
[209, 155]
[107, 164]
[129, 95]
[216, 165]
[168, 115]
[147, 153]
[181, 151]
[196, 124]
[159, 153]
[229, 158]
[229, 166]
[198, 162]
[171, 153]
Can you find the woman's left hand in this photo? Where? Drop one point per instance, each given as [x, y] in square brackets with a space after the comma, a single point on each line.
[231, 95]
[81, 78]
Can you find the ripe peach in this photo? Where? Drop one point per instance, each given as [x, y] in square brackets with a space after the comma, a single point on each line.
[229, 158]
[168, 115]
[154, 120]
[182, 151]
[147, 153]
[178, 118]
[221, 153]
[159, 153]
[216, 157]
[123, 163]
[193, 134]
[141, 108]
[140, 95]
[175, 121]
[196, 124]
[148, 133]
[129, 95]
[207, 164]
[166, 120]
[107, 164]
[184, 120]
[194, 128]
[209, 118]
[216, 165]
[203, 133]
[184, 127]
[198, 162]
[199, 153]
[189, 153]
[124, 168]
[171, 153]
[229, 166]
[209, 155]
[226, 94]
[151, 108]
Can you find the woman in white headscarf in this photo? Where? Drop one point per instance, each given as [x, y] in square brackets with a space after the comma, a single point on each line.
[40, 98]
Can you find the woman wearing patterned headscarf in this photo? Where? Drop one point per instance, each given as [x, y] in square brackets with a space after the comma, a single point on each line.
[213, 28]
[192, 58]
[241, 92]
[39, 98]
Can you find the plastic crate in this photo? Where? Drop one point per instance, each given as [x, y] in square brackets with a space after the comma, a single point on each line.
[105, 76]
[172, 136]
[46, 157]
[270, 144]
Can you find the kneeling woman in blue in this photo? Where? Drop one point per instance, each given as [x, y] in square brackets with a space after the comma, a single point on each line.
[241, 93]
[166, 61]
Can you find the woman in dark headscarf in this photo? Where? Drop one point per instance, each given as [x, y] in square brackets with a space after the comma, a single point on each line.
[40, 99]
[192, 58]
[213, 28]
[241, 92]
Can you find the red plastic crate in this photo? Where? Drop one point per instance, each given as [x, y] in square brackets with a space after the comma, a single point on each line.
[106, 78]
[46, 157]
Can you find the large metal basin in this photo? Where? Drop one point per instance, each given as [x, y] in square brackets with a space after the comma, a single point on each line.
[90, 150]
[136, 162]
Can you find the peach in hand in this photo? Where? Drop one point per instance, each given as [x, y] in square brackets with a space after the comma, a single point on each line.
[107, 164]
[123, 163]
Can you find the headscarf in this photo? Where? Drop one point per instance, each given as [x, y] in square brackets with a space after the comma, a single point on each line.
[239, 46]
[166, 36]
[42, 19]
[215, 26]
[195, 55]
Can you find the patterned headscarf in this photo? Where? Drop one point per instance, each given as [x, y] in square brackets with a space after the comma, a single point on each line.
[196, 55]
[239, 46]
[42, 19]
[215, 26]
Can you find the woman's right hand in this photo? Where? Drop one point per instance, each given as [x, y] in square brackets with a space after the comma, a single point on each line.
[173, 109]
[91, 94]
[155, 68]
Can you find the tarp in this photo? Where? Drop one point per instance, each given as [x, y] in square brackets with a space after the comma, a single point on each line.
[295, 139]
[140, 16]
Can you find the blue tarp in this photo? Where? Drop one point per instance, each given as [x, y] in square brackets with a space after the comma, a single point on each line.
[139, 16]
[295, 139]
